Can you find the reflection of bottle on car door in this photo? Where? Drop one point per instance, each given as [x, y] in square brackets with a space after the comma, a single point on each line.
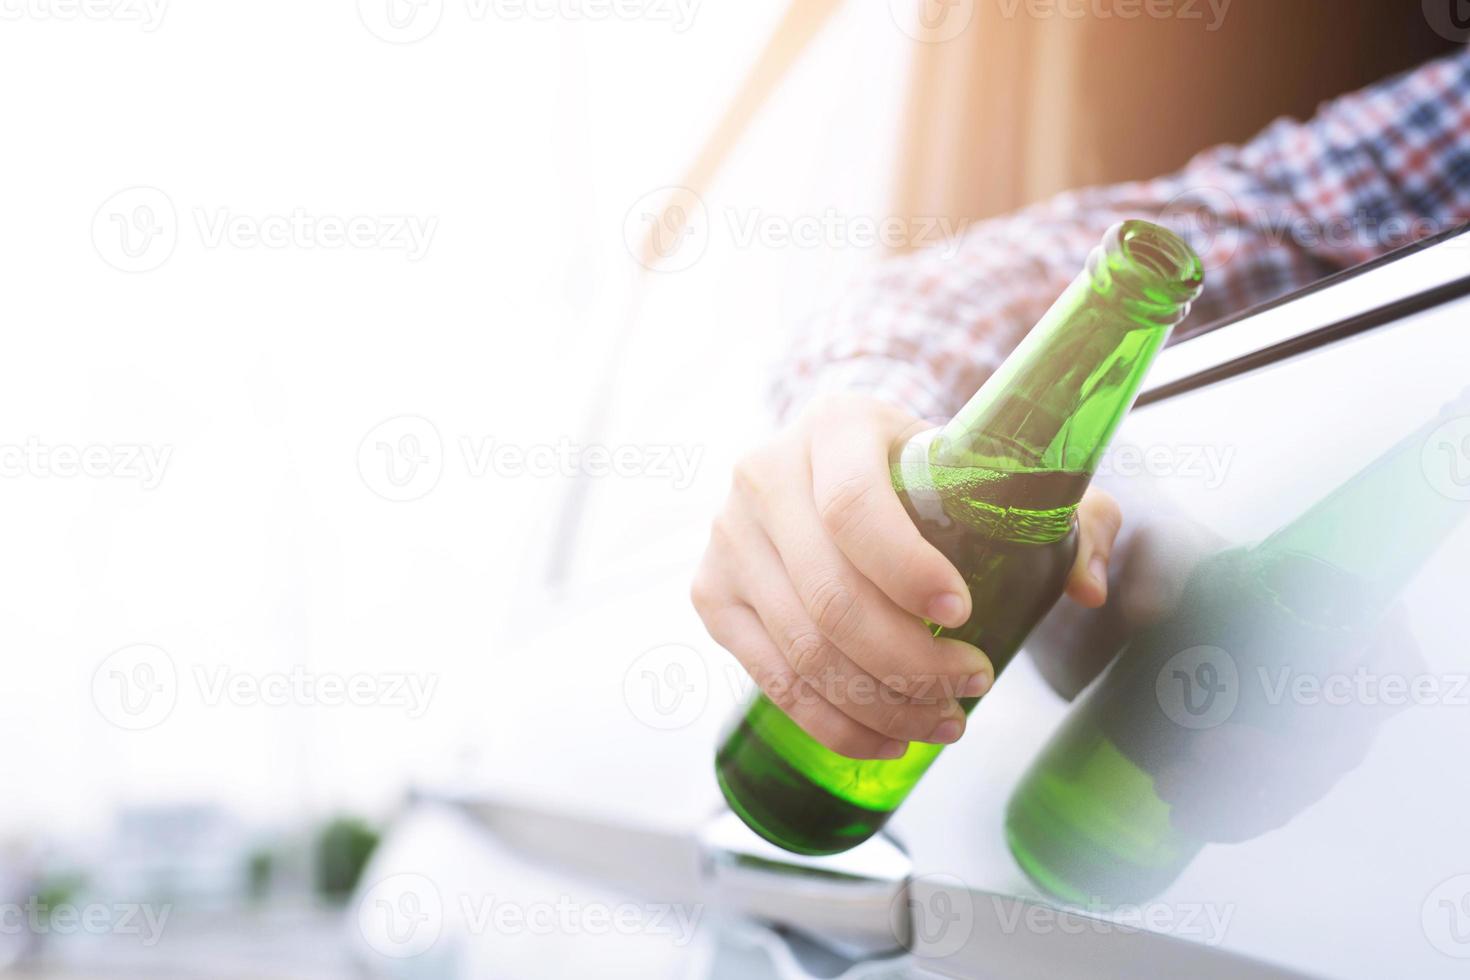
[1252, 698]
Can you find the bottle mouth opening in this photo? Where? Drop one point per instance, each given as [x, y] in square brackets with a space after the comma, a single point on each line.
[1165, 260]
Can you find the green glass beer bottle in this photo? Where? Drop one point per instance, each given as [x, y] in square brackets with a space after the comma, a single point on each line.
[1192, 736]
[996, 491]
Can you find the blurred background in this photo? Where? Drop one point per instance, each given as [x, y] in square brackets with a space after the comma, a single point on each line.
[374, 368]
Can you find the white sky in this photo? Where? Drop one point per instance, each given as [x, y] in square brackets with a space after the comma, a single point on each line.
[260, 370]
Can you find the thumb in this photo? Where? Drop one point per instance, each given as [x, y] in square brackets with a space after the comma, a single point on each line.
[1098, 519]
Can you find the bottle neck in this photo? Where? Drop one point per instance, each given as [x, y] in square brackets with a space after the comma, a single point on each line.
[1056, 402]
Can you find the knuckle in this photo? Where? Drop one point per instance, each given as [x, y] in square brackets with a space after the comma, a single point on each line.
[806, 650]
[934, 685]
[749, 477]
[845, 506]
[896, 687]
[834, 607]
[721, 532]
[901, 721]
[908, 680]
[782, 689]
[703, 592]
[922, 687]
[823, 406]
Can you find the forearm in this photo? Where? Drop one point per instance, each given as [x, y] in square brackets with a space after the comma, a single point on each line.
[1370, 172]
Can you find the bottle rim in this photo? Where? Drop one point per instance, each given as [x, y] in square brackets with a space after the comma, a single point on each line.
[1153, 266]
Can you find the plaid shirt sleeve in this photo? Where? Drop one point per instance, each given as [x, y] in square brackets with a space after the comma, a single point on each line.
[1372, 171]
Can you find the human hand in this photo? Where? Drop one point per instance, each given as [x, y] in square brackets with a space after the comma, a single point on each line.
[817, 580]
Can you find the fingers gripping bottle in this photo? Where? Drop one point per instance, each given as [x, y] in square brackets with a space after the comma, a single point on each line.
[996, 490]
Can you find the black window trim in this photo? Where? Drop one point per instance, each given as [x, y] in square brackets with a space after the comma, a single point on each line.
[1251, 356]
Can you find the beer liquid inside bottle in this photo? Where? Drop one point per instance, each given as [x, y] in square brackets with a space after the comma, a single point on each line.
[1111, 810]
[996, 490]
